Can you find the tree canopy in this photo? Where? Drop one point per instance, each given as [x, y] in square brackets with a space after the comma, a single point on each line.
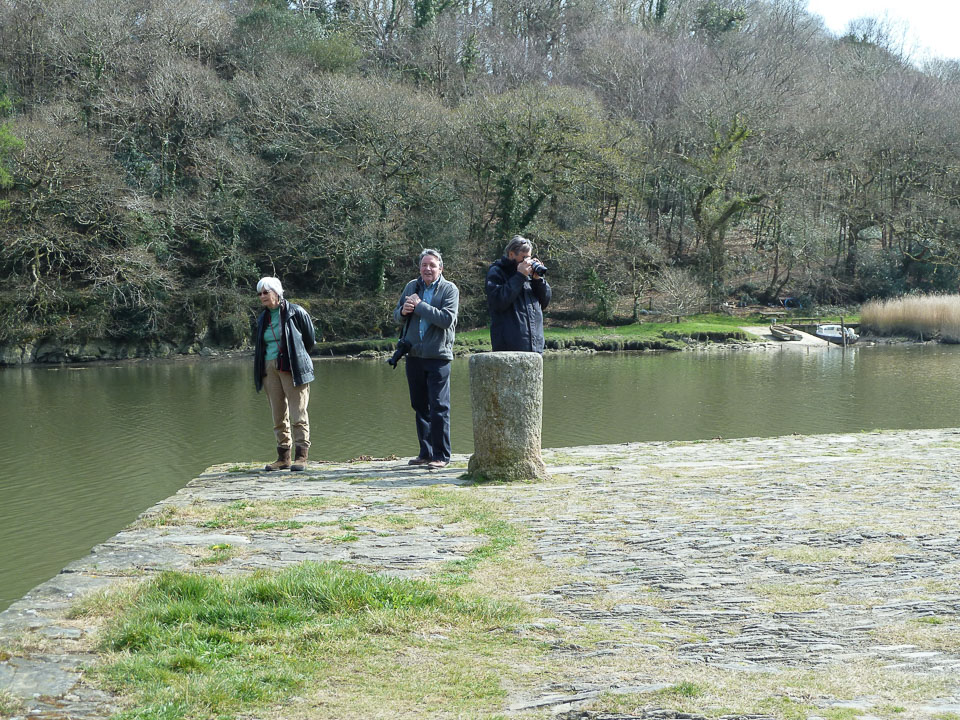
[158, 156]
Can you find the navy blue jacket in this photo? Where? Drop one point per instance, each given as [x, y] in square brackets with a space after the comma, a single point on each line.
[299, 338]
[516, 306]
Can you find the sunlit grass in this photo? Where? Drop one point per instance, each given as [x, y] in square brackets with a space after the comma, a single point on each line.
[714, 327]
[932, 634]
[789, 694]
[464, 506]
[187, 645]
[925, 316]
[10, 704]
[254, 514]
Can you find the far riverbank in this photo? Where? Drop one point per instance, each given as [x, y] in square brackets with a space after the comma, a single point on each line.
[649, 335]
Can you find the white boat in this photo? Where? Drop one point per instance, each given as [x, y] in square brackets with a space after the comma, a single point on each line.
[838, 334]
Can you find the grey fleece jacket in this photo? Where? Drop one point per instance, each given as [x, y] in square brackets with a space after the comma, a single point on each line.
[441, 313]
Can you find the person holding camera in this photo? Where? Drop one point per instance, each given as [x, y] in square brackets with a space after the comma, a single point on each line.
[428, 310]
[282, 365]
[517, 295]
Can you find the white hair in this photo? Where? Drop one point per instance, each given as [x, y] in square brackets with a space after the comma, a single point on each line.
[270, 283]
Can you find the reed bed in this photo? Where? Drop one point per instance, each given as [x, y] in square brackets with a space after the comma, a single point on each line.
[923, 316]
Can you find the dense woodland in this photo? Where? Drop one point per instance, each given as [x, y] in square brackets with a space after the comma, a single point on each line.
[158, 156]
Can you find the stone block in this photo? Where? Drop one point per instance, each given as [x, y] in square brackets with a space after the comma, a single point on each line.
[506, 394]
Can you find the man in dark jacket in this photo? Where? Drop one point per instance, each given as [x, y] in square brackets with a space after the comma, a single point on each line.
[428, 309]
[516, 298]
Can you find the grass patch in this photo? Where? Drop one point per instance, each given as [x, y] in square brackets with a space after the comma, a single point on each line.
[220, 553]
[792, 597]
[791, 694]
[241, 514]
[807, 554]
[684, 689]
[345, 538]
[186, 645]
[10, 704]
[875, 552]
[921, 633]
[463, 506]
[842, 713]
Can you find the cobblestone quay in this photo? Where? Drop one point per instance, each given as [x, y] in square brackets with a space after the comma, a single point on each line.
[831, 560]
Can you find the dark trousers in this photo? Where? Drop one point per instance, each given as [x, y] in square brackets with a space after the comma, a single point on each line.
[429, 382]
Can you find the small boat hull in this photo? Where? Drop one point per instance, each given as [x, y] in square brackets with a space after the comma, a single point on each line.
[785, 332]
[837, 334]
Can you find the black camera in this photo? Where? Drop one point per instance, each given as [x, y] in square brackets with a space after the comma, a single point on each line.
[403, 347]
[539, 269]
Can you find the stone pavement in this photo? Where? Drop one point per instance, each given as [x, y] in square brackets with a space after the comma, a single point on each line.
[834, 559]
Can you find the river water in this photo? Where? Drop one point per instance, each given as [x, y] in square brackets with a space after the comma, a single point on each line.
[84, 450]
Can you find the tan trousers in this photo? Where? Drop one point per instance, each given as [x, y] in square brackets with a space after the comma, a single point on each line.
[283, 396]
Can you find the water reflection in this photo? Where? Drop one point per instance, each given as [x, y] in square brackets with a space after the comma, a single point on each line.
[84, 451]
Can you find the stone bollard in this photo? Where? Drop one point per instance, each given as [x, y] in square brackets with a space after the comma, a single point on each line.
[506, 392]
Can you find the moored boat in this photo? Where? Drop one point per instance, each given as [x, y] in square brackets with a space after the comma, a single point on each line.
[838, 334]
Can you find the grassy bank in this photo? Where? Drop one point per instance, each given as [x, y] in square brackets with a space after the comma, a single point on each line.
[666, 335]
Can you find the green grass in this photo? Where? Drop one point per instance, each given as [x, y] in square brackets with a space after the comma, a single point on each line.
[663, 335]
[10, 704]
[258, 515]
[460, 506]
[187, 645]
[221, 552]
[684, 689]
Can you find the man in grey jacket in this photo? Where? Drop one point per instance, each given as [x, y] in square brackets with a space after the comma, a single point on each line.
[428, 311]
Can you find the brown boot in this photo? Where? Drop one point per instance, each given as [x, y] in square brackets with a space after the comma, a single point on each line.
[300, 462]
[283, 460]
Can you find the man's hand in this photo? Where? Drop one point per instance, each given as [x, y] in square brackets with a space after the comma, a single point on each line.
[525, 267]
[534, 261]
[409, 303]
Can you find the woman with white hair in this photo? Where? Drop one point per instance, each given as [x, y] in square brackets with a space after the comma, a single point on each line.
[282, 365]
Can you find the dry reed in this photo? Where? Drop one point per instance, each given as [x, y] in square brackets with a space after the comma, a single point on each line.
[926, 316]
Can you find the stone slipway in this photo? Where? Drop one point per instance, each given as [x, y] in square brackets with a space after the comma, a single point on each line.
[758, 555]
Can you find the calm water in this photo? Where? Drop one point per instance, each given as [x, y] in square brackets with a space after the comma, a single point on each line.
[84, 450]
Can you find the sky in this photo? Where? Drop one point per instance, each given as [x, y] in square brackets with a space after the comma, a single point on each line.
[933, 26]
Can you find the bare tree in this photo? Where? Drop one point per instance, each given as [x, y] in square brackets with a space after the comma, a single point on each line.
[678, 292]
